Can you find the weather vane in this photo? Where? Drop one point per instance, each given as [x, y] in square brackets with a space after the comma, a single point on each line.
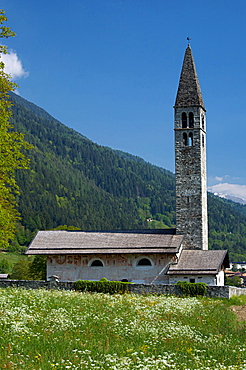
[188, 39]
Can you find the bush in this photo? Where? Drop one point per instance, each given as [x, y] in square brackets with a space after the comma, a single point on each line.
[103, 286]
[192, 289]
[233, 281]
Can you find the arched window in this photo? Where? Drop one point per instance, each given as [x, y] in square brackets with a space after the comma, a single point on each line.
[96, 263]
[190, 140]
[184, 120]
[144, 262]
[191, 120]
[185, 139]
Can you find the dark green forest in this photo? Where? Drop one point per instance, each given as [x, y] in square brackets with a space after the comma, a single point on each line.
[73, 182]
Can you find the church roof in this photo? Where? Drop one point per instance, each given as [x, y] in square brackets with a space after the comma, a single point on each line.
[196, 262]
[85, 242]
[189, 91]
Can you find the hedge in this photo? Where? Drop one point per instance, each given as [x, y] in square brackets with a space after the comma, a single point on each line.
[192, 289]
[103, 286]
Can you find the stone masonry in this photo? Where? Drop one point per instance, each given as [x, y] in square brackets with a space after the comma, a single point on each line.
[190, 159]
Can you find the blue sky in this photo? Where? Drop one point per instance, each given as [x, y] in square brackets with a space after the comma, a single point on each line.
[110, 70]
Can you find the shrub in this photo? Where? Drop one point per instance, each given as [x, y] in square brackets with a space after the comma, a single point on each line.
[192, 289]
[102, 286]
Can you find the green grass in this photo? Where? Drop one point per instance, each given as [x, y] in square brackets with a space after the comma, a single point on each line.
[69, 330]
[237, 300]
[13, 258]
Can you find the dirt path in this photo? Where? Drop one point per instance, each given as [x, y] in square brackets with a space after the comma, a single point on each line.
[240, 311]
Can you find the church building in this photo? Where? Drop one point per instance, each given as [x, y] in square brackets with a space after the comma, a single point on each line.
[152, 256]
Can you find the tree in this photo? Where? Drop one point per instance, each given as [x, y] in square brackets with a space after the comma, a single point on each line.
[12, 147]
[5, 266]
[21, 270]
[37, 268]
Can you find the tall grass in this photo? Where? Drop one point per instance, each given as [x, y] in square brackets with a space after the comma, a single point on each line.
[61, 330]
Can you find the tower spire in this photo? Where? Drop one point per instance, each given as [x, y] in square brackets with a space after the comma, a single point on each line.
[190, 158]
[189, 91]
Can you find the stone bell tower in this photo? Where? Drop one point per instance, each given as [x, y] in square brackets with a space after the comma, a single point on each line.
[190, 158]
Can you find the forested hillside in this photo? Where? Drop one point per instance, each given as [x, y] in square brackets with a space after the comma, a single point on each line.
[73, 181]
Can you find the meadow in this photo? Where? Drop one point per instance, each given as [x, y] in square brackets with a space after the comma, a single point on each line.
[58, 330]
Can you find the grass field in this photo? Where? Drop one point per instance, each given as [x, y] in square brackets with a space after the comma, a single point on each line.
[56, 330]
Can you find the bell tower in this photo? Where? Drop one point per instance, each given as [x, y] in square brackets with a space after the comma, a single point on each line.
[190, 158]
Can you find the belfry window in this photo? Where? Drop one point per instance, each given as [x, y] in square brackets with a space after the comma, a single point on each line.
[184, 120]
[191, 120]
[203, 126]
[190, 140]
[185, 139]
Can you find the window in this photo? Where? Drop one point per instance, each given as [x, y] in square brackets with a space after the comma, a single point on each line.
[184, 120]
[144, 262]
[203, 126]
[185, 139]
[190, 140]
[192, 280]
[96, 263]
[191, 120]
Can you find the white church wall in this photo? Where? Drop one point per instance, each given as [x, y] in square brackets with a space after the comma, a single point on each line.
[220, 278]
[207, 279]
[114, 267]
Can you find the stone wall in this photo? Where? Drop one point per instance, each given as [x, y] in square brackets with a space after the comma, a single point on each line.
[190, 170]
[212, 291]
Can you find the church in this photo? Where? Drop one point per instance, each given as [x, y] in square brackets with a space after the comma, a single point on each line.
[152, 256]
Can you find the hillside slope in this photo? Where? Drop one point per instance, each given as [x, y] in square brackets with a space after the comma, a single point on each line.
[73, 181]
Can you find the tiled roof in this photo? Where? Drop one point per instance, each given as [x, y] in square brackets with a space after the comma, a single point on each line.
[189, 91]
[84, 242]
[195, 262]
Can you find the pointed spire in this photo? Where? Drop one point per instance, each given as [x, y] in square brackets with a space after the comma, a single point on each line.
[189, 91]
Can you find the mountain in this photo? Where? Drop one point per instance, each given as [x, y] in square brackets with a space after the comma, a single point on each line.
[73, 181]
[231, 197]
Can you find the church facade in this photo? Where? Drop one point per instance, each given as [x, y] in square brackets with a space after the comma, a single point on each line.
[152, 256]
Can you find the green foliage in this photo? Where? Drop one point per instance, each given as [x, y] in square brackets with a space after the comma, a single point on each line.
[233, 281]
[21, 270]
[37, 268]
[102, 286]
[65, 227]
[238, 300]
[103, 279]
[12, 146]
[5, 266]
[192, 289]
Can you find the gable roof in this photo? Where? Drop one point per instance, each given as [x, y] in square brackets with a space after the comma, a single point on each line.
[85, 242]
[196, 262]
[189, 91]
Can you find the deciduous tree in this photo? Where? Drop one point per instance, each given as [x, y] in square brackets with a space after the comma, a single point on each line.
[12, 147]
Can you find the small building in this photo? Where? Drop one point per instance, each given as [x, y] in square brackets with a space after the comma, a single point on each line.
[196, 266]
